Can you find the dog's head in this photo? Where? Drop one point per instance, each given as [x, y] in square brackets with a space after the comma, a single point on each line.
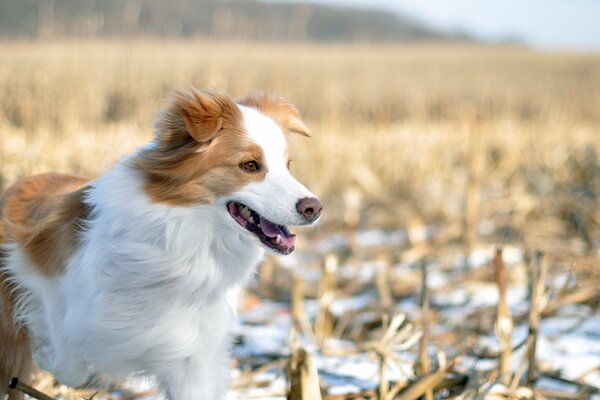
[211, 150]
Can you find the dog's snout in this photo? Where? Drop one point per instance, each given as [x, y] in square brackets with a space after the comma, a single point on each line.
[310, 208]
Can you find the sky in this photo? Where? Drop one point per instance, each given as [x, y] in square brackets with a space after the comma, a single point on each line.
[547, 24]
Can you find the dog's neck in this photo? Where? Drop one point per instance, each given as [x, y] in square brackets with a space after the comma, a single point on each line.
[193, 244]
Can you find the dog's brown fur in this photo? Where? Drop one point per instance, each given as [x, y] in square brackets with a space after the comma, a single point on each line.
[199, 148]
[43, 215]
[15, 350]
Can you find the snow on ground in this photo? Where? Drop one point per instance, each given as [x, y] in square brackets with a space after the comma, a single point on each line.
[569, 342]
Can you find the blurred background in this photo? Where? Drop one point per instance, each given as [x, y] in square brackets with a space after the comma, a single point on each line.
[455, 144]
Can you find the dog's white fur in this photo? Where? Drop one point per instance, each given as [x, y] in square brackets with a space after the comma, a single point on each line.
[149, 289]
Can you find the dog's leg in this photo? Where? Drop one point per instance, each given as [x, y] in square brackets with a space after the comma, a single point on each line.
[15, 361]
[68, 366]
[195, 379]
[15, 349]
[71, 373]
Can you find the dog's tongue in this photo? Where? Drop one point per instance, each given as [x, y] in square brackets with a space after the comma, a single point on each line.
[269, 229]
[272, 230]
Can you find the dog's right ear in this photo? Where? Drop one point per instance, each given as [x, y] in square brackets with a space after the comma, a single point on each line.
[195, 115]
[201, 113]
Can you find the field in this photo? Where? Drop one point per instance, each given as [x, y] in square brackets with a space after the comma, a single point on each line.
[428, 157]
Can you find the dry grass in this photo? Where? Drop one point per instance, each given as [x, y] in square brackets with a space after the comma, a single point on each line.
[501, 145]
[392, 121]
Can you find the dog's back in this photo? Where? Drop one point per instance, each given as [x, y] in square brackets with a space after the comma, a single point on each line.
[26, 209]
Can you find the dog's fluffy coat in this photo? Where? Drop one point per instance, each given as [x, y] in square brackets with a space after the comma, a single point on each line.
[135, 272]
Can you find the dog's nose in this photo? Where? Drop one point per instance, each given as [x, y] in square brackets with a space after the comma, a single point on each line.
[310, 208]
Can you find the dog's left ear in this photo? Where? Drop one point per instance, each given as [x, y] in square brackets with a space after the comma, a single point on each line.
[282, 112]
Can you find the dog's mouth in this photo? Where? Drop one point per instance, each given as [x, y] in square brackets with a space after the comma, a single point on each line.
[275, 237]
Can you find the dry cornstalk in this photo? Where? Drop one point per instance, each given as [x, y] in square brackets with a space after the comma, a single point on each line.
[425, 383]
[559, 395]
[397, 336]
[302, 373]
[15, 384]
[585, 374]
[473, 189]
[417, 231]
[352, 202]
[365, 394]
[245, 379]
[416, 253]
[514, 384]
[556, 375]
[297, 301]
[324, 321]
[384, 383]
[299, 317]
[581, 295]
[383, 285]
[504, 323]
[538, 271]
[423, 350]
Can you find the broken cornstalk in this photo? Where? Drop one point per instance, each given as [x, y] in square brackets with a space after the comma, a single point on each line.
[504, 323]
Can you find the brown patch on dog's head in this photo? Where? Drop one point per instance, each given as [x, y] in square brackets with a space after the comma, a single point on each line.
[199, 151]
[280, 110]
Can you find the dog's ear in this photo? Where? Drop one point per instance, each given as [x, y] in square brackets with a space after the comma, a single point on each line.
[203, 112]
[195, 117]
[282, 112]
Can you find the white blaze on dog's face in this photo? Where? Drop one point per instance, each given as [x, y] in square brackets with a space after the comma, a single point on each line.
[210, 150]
[265, 207]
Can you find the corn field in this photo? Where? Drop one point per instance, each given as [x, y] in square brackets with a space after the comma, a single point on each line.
[458, 256]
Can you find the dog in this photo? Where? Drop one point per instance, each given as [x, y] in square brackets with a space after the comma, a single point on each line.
[134, 273]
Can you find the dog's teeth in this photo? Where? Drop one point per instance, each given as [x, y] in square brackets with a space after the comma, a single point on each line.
[246, 213]
[278, 239]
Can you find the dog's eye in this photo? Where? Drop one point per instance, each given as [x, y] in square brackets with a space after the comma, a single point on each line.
[250, 166]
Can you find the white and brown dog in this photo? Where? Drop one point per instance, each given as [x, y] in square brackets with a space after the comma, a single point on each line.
[134, 272]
